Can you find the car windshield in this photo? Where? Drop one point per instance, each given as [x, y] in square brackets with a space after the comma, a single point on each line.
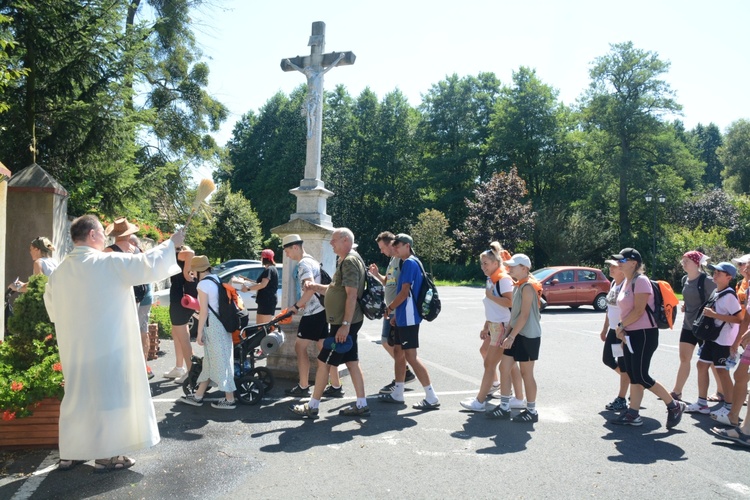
[542, 274]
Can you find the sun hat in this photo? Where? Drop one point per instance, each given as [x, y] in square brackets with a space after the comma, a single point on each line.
[339, 347]
[121, 227]
[725, 267]
[630, 254]
[290, 239]
[200, 263]
[519, 259]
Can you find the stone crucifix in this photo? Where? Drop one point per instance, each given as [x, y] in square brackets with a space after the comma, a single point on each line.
[314, 67]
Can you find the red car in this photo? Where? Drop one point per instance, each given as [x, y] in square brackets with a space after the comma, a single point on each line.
[573, 286]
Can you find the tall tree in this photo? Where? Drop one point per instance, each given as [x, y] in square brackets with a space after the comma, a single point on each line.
[431, 238]
[626, 99]
[456, 123]
[706, 140]
[235, 228]
[735, 154]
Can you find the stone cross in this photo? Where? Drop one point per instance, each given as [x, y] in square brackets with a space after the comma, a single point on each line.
[311, 195]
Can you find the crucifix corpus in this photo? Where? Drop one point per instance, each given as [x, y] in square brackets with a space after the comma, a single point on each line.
[311, 194]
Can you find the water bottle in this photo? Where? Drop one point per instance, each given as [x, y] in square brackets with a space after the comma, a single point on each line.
[426, 303]
[732, 361]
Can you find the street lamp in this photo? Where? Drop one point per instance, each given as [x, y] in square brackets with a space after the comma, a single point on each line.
[655, 196]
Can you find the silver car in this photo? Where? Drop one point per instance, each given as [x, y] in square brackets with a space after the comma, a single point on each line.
[245, 272]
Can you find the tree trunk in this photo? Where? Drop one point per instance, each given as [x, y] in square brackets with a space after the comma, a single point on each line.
[625, 164]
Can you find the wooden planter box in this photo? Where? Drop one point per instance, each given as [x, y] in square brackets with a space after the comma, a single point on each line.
[40, 430]
[153, 337]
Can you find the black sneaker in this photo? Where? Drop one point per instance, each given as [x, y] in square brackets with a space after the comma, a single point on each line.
[499, 413]
[618, 404]
[628, 418]
[675, 415]
[298, 391]
[333, 392]
[410, 377]
[388, 388]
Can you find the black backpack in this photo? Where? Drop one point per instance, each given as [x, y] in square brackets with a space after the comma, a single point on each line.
[705, 328]
[428, 299]
[372, 301]
[230, 314]
[325, 279]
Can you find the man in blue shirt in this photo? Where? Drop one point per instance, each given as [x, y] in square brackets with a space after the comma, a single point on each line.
[406, 322]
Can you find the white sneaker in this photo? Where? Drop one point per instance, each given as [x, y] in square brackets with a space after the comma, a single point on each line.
[174, 372]
[697, 408]
[516, 403]
[473, 405]
[720, 412]
[182, 378]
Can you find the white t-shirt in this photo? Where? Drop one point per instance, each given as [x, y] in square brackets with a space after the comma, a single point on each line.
[208, 286]
[727, 305]
[613, 310]
[492, 310]
[308, 268]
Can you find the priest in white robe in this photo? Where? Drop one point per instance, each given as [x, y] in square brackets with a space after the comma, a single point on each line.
[107, 409]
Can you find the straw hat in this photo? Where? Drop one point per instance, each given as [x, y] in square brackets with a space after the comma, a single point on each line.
[200, 263]
[291, 239]
[121, 227]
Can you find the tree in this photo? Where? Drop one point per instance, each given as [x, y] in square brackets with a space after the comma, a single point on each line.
[497, 213]
[625, 100]
[431, 238]
[235, 228]
[735, 155]
[706, 140]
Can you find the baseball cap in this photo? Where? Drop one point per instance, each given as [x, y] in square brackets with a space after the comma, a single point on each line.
[725, 267]
[630, 254]
[518, 259]
[741, 260]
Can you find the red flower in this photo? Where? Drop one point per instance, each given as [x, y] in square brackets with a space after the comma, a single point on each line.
[57, 367]
[48, 337]
[9, 415]
[16, 386]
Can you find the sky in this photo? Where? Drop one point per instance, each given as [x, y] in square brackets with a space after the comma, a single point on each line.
[411, 45]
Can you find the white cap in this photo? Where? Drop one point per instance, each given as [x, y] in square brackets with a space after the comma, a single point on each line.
[741, 260]
[518, 259]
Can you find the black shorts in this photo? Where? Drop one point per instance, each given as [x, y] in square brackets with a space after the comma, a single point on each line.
[524, 349]
[687, 337]
[313, 327]
[406, 336]
[267, 307]
[711, 352]
[179, 315]
[335, 358]
[607, 357]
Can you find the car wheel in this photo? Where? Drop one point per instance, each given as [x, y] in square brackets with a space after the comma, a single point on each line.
[600, 303]
[192, 325]
[543, 304]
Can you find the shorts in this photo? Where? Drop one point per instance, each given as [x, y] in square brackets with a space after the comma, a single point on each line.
[607, 357]
[143, 313]
[407, 337]
[335, 358]
[714, 353]
[386, 331]
[638, 362]
[745, 358]
[179, 315]
[268, 308]
[313, 327]
[497, 332]
[524, 349]
[687, 337]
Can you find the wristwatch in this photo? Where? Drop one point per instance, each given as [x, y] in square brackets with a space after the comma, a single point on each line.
[345, 323]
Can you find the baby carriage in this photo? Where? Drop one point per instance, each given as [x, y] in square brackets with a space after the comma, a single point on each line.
[252, 343]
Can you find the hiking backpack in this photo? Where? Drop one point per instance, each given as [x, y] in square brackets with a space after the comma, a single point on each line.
[372, 301]
[664, 313]
[705, 328]
[428, 299]
[231, 311]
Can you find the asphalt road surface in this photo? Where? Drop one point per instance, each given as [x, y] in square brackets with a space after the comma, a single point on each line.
[572, 452]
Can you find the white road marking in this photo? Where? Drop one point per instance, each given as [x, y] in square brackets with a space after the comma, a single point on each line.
[31, 484]
[743, 489]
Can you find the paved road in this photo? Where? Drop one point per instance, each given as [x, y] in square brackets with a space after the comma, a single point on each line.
[265, 452]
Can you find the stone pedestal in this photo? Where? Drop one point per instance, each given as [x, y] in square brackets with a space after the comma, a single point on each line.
[316, 238]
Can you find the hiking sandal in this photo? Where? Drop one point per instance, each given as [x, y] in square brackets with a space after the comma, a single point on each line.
[120, 462]
[66, 465]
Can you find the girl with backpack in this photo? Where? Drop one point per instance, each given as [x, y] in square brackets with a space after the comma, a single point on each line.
[697, 287]
[640, 338]
[218, 350]
[498, 297]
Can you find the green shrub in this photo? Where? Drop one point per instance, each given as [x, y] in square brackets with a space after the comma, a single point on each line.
[160, 316]
[29, 322]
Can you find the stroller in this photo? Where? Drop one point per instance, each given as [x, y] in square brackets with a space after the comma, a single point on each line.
[252, 343]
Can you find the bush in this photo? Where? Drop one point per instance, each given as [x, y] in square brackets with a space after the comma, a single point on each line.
[160, 316]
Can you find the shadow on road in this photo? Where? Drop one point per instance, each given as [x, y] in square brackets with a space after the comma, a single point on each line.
[509, 437]
[641, 445]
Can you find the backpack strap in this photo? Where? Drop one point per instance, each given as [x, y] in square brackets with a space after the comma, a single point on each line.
[701, 287]
[649, 312]
[218, 287]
